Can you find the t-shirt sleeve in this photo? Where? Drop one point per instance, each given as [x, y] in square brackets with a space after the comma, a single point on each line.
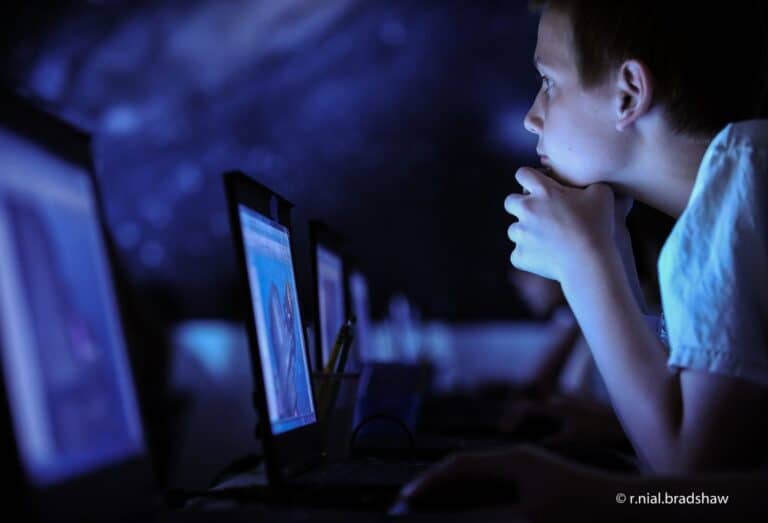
[712, 269]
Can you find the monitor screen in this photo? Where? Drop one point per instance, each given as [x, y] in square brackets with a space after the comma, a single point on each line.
[358, 287]
[330, 297]
[65, 365]
[284, 364]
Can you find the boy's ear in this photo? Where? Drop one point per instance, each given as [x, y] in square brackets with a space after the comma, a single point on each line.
[635, 93]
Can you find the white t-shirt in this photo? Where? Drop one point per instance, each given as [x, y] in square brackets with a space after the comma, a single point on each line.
[713, 268]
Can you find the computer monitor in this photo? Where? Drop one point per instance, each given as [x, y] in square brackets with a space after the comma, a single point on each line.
[361, 308]
[290, 431]
[278, 323]
[330, 302]
[330, 293]
[68, 397]
[64, 358]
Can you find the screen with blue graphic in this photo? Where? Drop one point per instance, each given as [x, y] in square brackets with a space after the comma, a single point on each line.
[64, 358]
[330, 293]
[284, 364]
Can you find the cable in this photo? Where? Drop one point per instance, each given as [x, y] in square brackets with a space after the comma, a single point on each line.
[382, 416]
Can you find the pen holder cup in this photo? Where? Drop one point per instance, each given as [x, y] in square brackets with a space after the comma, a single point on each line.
[335, 401]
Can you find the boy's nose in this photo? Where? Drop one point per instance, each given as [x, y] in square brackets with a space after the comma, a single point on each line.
[532, 123]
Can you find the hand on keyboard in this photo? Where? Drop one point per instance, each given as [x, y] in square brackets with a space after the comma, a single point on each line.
[528, 478]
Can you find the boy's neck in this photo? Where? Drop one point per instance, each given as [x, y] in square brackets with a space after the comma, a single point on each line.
[667, 165]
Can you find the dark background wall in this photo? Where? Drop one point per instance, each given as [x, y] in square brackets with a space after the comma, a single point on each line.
[397, 122]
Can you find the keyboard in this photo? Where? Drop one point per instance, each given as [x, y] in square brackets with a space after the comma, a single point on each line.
[362, 473]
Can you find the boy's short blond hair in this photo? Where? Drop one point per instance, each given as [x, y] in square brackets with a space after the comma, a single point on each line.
[709, 61]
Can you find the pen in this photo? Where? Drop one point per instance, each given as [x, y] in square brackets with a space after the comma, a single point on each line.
[344, 332]
[346, 345]
[331, 379]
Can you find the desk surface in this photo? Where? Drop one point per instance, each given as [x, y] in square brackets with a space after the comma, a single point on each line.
[258, 513]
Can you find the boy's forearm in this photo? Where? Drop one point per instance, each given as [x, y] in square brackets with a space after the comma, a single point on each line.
[631, 359]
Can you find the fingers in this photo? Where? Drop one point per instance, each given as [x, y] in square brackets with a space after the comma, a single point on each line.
[514, 231]
[600, 191]
[515, 258]
[444, 477]
[431, 480]
[513, 204]
[532, 181]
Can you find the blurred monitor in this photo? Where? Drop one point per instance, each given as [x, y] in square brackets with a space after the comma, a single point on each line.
[330, 298]
[361, 308]
[64, 359]
[71, 429]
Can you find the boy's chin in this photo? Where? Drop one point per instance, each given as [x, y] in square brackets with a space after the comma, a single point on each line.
[561, 177]
[571, 179]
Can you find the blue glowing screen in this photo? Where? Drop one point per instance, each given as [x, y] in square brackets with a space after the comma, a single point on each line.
[284, 364]
[358, 290]
[64, 358]
[330, 292]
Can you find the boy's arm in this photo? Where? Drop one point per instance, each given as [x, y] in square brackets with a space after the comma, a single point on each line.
[678, 421]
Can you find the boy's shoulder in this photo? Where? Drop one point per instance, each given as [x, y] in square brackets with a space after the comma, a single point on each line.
[744, 145]
[747, 133]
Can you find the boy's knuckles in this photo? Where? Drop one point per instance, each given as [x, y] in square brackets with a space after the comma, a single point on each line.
[514, 231]
[600, 191]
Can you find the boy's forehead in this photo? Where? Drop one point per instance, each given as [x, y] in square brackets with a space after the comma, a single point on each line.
[554, 42]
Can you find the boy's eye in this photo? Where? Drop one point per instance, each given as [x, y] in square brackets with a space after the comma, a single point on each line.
[546, 83]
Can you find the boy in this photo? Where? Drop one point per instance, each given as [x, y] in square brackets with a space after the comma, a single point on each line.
[640, 99]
